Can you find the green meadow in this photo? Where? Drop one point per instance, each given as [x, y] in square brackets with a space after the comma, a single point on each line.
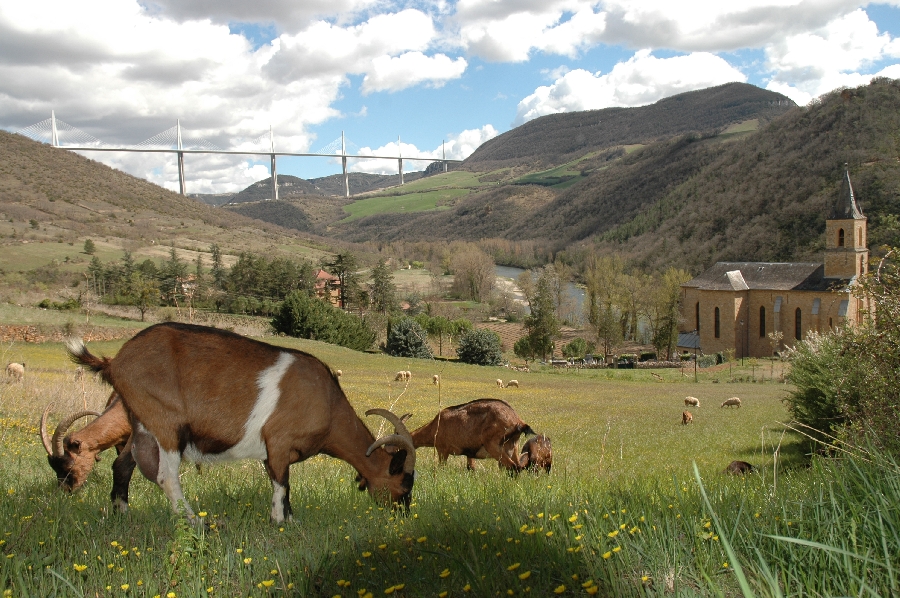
[636, 505]
[399, 204]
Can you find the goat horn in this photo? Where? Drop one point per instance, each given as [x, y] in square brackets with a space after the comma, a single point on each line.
[45, 436]
[399, 426]
[409, 466]
[63, 427]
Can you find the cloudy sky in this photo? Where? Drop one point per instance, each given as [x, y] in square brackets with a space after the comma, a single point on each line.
[426, 71]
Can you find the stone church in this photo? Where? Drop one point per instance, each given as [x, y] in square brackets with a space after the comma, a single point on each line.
[736, 305]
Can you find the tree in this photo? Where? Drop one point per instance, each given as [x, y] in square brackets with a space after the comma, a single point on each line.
[523, 348]
[542, 325]
[480, 346]
[664, 314]
[344, 267]
[144, 292]
[89, 247]
[307, 317]
[217, 270]
[407, 339]
[577, 349]
[174, 271]
[601, 279]
[382, 290]
[473, 273]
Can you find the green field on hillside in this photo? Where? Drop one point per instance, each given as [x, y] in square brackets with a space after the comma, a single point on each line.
[400, 204]
[622, 512]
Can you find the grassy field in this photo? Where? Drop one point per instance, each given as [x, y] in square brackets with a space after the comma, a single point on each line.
[400, 204]
[622, 513]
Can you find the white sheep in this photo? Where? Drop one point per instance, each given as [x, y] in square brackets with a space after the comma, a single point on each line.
[733, 401]
[499, 383]
[435, 379]
[401, 375]
[512, 383]
[16, 371]
[688, 401]
[408, 375]
[338, 373]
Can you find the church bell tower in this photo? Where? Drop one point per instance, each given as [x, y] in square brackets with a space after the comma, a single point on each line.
[846, 249]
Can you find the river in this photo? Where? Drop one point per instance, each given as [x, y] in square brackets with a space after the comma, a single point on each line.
[573, 307]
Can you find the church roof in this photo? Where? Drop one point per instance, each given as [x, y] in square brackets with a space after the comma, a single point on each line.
[846, 208]
[743, 276]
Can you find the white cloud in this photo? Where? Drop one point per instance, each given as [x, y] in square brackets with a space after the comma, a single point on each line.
[393, 73]
[809, 64]
[456, 147]
[285, 12]
[641, 80]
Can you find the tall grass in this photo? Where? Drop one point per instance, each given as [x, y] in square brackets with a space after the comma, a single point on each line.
[624, 512]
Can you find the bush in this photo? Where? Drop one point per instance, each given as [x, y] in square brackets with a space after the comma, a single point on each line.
[307, 317]
[577, 348]
[707, 361]
[406, 338]
[480, 347]
[647, 356]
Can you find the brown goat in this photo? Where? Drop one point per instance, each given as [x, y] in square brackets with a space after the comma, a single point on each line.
[478, 429]
[72, 456]
[686, 418]
[210, 395]
[739, 468]
[536, 453]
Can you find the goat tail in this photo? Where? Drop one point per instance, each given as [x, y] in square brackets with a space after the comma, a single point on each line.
[517, 431]
[526, 429]
[79, 353]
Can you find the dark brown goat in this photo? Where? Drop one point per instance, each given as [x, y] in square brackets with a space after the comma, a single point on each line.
[537, 453]
[739, 468]
[208, 395]
[72, 456]
[478, 429]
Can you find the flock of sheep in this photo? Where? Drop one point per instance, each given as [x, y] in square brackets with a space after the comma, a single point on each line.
[735, 467]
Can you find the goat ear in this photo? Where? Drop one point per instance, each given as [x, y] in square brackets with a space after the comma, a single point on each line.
[397, 462]
[74, 446]
[361, 481]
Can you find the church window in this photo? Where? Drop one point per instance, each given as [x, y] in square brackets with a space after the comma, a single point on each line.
[840, 237]
[798, 329]
[717, 323]
[862, 265]
[762, 321]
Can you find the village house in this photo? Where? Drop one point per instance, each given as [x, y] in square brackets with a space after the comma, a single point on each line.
[328, 287]
[738, 305]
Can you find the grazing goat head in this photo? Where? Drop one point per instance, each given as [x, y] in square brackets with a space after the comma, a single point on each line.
[72, 456]
[739, 468]
[208, 395]
[478, 430]
[537, 453]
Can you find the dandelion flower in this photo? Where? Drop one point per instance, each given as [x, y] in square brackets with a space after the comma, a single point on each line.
[645, 578]
[125, 587]
[444, 573]
[525, 575]
[239, 550]
[593, 590]
[467, 588]
[367, 554]
[202, 513]
[171, 595]
[588, 583]
[560, 589]
[613, 534]
[382, 546]
[573, 518]
[443, 594]
[273, 572]
[268, 583]
[79, 568]
[607, 554]
[707, 524]
[617, 549]
[422, 539]
[248, 560]
[548, 534]
[623, 526]
[513, 567]
[724, 565]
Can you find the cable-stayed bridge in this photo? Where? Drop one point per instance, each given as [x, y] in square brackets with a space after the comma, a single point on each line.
[173, 141]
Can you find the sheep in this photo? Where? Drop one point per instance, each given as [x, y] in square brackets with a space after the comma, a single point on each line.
[435, 379]
[514, 383]
[499, 383]
[206, 395]
[691, 401]
[408, 375]
[686, 418]
[478, 429]
[537, 453]
[739, 468]
[400, 376]
[338, 373]
[731, 402]
[16, 371]
[72, 456]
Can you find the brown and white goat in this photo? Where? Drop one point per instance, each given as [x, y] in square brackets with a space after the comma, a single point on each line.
[209, 395]
[72, 456]
[686, 418]
[537, 453]
[478, 430]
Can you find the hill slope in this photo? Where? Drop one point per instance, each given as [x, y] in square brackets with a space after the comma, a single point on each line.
[695, 199]
[557, 138]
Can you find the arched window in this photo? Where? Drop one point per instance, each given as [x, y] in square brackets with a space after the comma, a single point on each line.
[859, 236]
[862, 264]
[717, 322]
[798, 325]
[697, 316]
[840, 237]
[762, 322]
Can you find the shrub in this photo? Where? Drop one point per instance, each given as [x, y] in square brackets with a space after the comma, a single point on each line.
[406, 338]
[307, 317]
[577, 348]
[647, 356]
[707, 361]
[480, 347]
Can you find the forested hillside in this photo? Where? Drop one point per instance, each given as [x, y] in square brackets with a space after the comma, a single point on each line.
[700, 197]
[558, 138]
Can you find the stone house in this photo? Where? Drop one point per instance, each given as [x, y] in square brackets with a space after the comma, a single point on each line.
[736, 305]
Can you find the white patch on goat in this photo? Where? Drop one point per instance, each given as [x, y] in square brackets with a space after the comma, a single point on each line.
[278, 494]
[167, 478]
[251, 446]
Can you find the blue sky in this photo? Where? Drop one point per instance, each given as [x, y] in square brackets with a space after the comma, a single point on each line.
[426, 70]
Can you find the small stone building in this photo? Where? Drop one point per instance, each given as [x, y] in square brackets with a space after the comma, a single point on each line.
[736, 305]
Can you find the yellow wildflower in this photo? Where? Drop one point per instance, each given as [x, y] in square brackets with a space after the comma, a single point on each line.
[613, 534]
[525, 575]
[467, 588]
[268, 583]
[125, 587]
[560, 589]
[617, 549]
[248, 560]
[573, 518]
[513, 567]
[79, 568]
[593, 590]
[367, 554]
[607, 554]
[422, 539]
[444, 573]
[202, 513]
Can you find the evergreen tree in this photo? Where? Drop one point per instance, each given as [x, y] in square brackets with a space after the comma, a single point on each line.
[407, 339]
[480, 347]
[383, 291]
[217, 270]
[541, 324]
[344, 267]
[307, 317]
